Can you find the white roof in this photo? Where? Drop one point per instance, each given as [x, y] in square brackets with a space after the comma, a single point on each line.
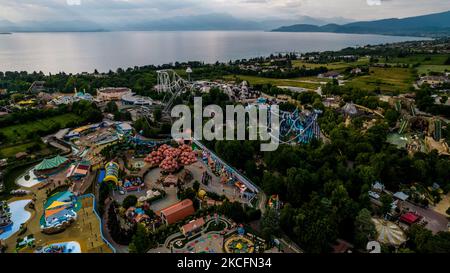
[401, 195]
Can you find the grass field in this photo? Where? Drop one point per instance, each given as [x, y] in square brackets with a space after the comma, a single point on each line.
[21, 132]
[10, 151]
[423, 59]
[295, 82]
[339, 66]
[425, 69]
[387, 79]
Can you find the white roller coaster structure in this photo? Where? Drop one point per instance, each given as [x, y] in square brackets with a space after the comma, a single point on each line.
[172, 85]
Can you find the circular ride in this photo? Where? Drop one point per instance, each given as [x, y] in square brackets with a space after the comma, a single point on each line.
[239, 244]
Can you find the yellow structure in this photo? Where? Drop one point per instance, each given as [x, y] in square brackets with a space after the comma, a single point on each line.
[112, 172]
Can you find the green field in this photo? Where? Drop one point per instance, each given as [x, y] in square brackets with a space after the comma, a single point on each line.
[339, 66]
[387, 79]
[10, 151]
[423, 59]
[21, 132]
[295, 82]
[425, 69]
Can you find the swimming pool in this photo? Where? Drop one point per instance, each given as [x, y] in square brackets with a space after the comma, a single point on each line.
[18, 215]
[65, 247]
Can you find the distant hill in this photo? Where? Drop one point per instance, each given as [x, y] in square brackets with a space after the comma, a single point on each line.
[437, 24]
[211, 21]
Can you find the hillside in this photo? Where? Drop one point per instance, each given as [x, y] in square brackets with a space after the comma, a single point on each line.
[431, 25]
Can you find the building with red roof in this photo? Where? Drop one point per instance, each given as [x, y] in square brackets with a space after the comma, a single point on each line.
[193, 226]
[410, 218]
[177, 211]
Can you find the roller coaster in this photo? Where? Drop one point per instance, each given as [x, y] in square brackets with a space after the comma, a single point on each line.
[298, 127]
[172, 85]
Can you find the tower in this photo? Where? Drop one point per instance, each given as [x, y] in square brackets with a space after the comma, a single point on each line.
[189, 72]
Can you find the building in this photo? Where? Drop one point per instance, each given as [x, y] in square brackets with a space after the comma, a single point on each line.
[192, 227]
[124, 128]
[330, 75]
[433, 81]
[177, 212]
[112, 93]
[51, 166]
[133, 99]
[112, 172]
[83, 130]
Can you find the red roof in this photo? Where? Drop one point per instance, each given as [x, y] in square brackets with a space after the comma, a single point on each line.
[178, 211]
[410, 217]
[193, 225]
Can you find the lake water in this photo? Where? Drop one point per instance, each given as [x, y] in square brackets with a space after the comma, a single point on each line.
[84, 52]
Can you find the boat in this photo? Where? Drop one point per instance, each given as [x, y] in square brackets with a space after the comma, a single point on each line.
[5, 216]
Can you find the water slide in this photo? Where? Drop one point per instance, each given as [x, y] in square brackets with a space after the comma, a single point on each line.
[413, 110]
[403, 126]
[437, 129]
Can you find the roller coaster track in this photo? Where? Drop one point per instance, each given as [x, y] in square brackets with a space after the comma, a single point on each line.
[172, 85]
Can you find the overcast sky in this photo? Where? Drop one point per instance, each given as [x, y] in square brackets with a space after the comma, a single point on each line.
[104, 11]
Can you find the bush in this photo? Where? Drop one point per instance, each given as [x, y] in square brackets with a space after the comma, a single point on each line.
[129, 201]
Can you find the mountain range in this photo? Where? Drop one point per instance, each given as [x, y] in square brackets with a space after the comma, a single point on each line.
[213, 21]
[431, 25]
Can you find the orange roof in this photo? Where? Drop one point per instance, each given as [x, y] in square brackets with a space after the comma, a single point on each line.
[193, 225]
[178, 211]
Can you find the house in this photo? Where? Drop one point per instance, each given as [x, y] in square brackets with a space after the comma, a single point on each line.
[330, 75]
[401, 196]
[177, 212]
[378, 187]
[356, 71]
[192, 227]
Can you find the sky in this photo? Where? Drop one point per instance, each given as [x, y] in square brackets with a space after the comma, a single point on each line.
[113, 11]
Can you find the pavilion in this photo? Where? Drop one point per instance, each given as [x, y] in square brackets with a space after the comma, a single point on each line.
[51, 166]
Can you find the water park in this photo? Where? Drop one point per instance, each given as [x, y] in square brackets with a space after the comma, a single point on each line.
[60, 211]
[65, 247]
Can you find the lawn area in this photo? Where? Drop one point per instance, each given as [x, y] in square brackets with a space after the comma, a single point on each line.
[425, 69]
[21, 132]
[424, 59]
[296, 82]
[340, 66]
[387, 79]
[10, 151]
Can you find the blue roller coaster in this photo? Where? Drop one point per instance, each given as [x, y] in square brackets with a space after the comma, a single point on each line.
[299, 127]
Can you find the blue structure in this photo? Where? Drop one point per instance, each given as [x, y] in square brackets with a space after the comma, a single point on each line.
[299, 127]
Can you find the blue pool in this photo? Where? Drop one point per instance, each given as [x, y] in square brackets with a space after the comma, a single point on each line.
[18, 215]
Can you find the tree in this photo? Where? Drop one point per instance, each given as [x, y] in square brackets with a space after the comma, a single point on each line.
[364, 228]
[111, 107]
[270, 224]
[129, 201]
[140, 241]
[386, 204]
[391, 116]
[157, 114]
[196, 186]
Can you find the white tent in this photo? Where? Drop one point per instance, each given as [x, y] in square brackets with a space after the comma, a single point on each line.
[388, 232]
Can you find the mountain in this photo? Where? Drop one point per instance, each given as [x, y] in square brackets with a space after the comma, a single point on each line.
[50, 26]
[213, 21]
[198, 22]
[437, 24]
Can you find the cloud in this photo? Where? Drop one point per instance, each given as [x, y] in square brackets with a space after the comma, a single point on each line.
[107, 11]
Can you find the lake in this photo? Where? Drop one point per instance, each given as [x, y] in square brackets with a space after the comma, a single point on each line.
[85, 51]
